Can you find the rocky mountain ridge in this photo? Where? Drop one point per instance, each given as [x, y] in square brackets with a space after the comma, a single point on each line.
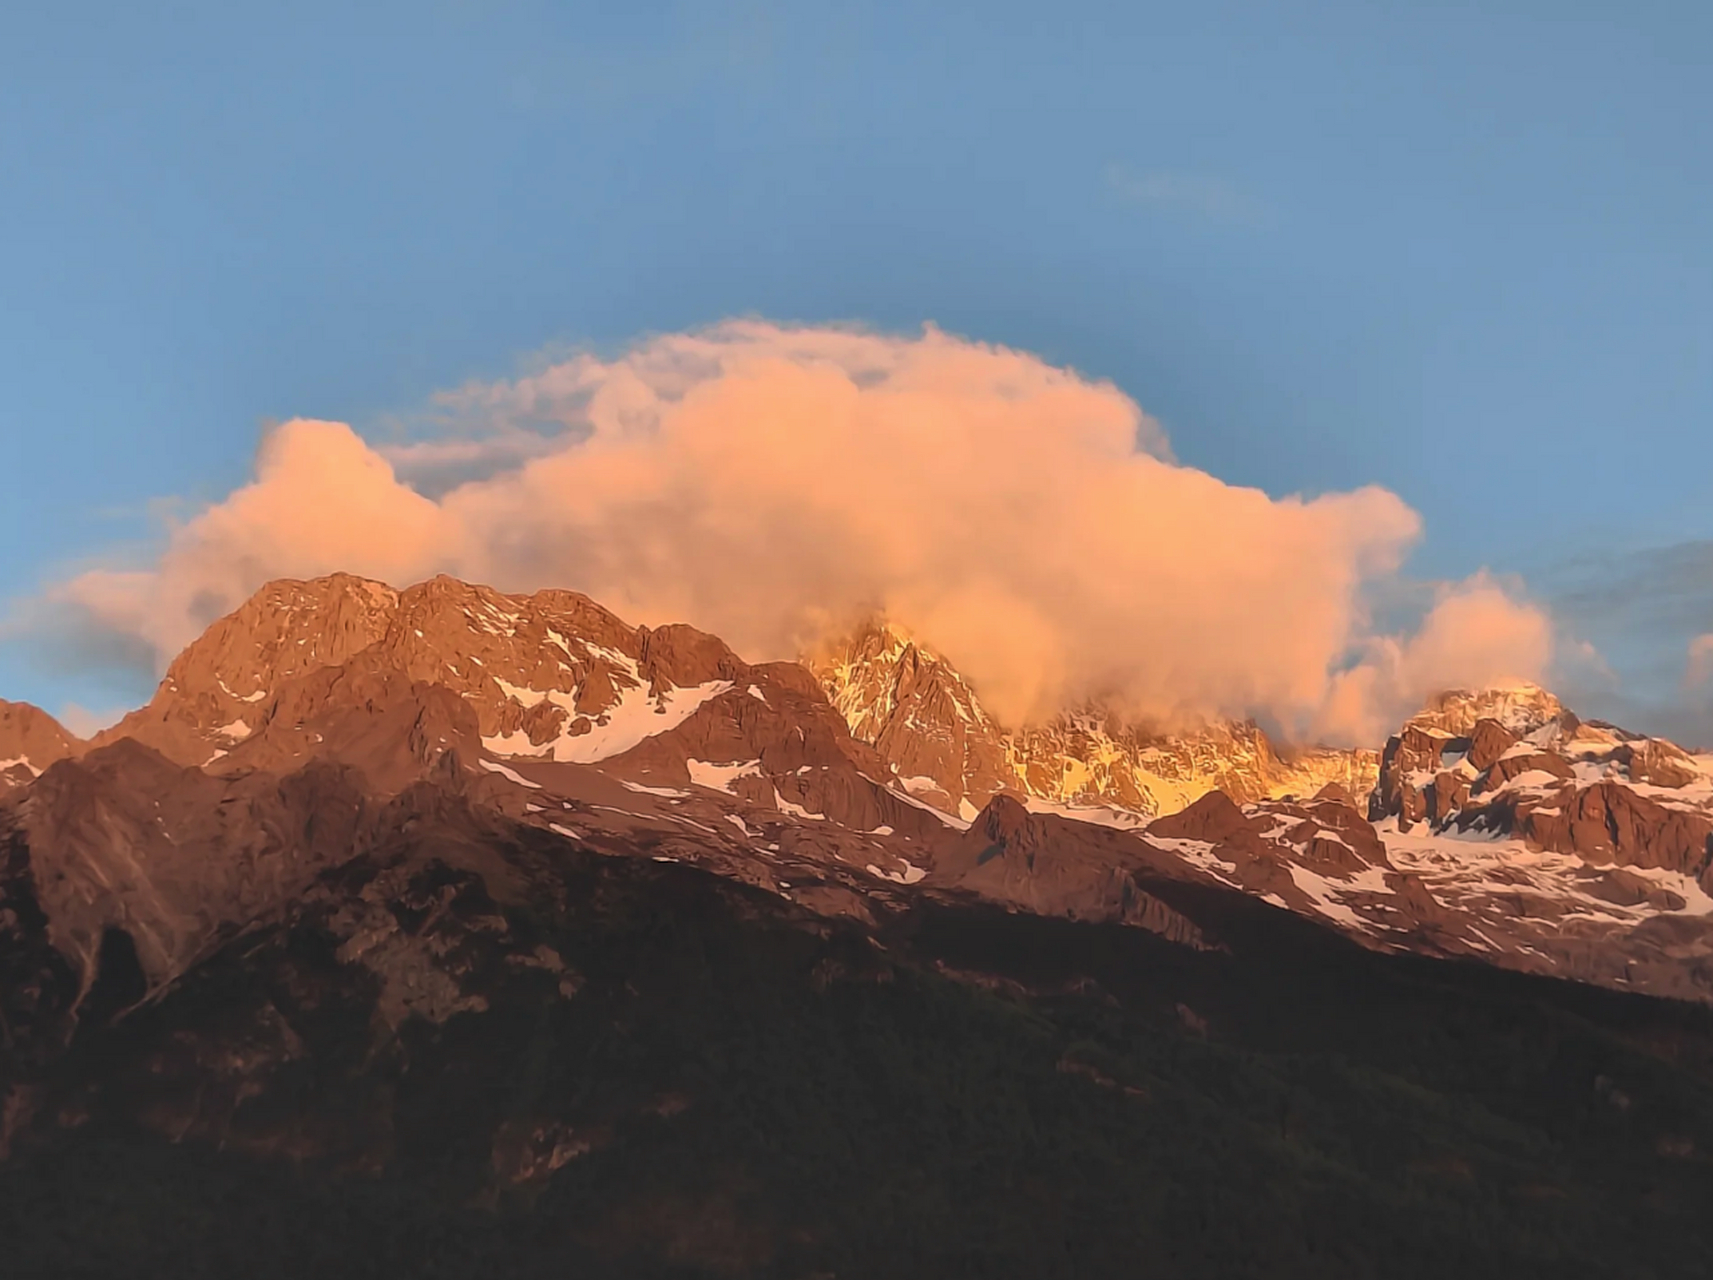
[30, 741]
[930, 727]
[495, 902]
[548, 674]
[1500, 827]
[486, 1042]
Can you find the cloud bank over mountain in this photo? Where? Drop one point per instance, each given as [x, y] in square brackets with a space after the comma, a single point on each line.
[768, 483]
[1699, 670]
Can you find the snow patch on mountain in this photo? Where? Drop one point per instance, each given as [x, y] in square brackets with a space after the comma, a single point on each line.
[636, 715]
[720, 777]
[1103, 815]
[792, 810]
[511, 775]
[930, 727]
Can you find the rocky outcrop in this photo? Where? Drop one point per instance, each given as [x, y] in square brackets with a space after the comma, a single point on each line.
[1275, 848]
[551, 674]
[1547, 843]
[1657, 763]
[365, 716]
[1465, 742]
[1488, 742]
[1412, 760]
[211, 693]
[931, 730]
[30, 741]
[1521, 709]
[125, 842]
[1053, 866]
[1550, 780]
[1607, 822]
[1213, 819]
[1520, 762]
[1507, 829]
[920, 715]
[773, 741]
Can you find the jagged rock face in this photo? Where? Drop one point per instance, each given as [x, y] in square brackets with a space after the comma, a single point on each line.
[1087, 758]
[1305, 855]
[930, 728]
[1413, 758]
[1658, 763]
[1520, 709]
[1430, 766]
[124, 839]
[1562, 786]
[365, 716]
[1488, 742]
[773, 741]
[1608, 822]
[215, 691]
[551, 674]
[1547, 843]
[1096, 758]
[922, 717]
[1506, 899]
[30, 741]
[292, 722]
[1506, 830]
[1052, 866]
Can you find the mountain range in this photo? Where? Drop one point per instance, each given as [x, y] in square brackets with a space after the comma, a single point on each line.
[937, 738]
[555, 941]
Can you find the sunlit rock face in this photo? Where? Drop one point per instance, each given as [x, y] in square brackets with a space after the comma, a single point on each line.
[551, 674]
[1495, 824]
[304, 727]
[929, 725]
[30, 741]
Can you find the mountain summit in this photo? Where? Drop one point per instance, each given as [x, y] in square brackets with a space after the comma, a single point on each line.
[30, 741]
[1495, 826]
[551, 674]
[566, 945]
[930, 727]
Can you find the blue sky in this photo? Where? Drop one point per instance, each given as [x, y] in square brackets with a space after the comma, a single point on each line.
[1461, 251]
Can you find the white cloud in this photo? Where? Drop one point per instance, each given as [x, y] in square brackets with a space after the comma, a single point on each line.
[768, 482]
[1475, 636]
[1199, 194]
[1699, 670]
[81, 722]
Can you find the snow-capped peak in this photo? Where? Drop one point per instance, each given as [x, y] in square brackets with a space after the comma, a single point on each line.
[928, 723]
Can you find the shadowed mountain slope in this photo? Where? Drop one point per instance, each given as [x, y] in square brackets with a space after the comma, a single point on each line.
[472, 1050]
[449, 933]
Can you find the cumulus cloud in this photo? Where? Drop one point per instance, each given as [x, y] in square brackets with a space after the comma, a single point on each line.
[770, 483]
[1700, 667]
[1191, 193]
[322, 501]
[82, 722]
[1475, 636]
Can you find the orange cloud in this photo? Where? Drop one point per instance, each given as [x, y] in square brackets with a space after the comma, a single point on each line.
[1700, 668]
[82, 722]
[322, 501]
[1475, 636]
[767, 483]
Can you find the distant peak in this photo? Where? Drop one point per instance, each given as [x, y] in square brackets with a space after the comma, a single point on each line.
[30, 741]
[1521, 706]
[326, 584]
